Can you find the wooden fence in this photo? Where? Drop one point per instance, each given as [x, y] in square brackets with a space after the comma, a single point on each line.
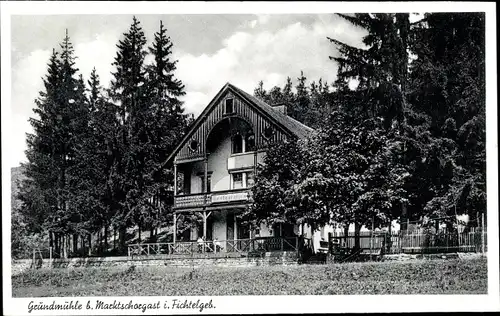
[415, 242]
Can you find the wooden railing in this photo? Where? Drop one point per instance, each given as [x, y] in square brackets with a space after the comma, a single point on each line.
[212, 198]
[225, 246]
[190, 200]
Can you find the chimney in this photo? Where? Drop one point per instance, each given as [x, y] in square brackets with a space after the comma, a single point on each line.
[280, 107]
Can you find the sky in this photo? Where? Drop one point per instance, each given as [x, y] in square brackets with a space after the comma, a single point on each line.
[211, 50]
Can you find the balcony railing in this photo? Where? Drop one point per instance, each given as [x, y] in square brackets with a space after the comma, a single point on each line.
[191, 200]
[213, 198]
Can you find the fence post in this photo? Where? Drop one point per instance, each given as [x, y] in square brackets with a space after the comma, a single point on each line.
[34, 259]
[50, 254]
[128, 248]
[371, 239]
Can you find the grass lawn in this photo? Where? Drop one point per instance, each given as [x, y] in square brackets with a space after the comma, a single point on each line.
[410, 277]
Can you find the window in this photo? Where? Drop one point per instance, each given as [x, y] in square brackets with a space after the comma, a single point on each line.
[229, 106]
[193, 145]
[242, 180]
[237, 144]
[250, 142]
[250, 179]
[237, 180]
[268, 132]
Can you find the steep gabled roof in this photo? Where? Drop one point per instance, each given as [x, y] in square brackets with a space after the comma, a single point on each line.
[298, 129]
[291, 125]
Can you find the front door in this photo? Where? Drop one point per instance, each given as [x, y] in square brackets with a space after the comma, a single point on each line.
[243, 231]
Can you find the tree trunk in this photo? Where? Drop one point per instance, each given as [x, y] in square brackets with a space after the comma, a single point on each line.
[357, 229]
[68, 245]
[106, 246]
[63, 242]
[90, 244]
[75, 243]
[99, 241]
[82, 246]
[122, 235]
[54, 241]
[140, 232]
[313, 230]
[61, 246]
[388, 240]
[346, 235]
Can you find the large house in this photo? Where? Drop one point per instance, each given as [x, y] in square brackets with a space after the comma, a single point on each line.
[215, 165]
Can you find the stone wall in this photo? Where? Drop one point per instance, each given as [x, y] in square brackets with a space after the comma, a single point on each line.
[223, 260]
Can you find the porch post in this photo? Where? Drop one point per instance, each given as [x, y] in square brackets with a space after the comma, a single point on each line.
[175, 179]
[205, 224]
[175, 226]
[205, 180]
[235, 227]
[255, 163]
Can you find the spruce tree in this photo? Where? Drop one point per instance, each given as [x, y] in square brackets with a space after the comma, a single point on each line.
[301, 105]
[52, 149]
[38, 192]
[129, 93]
[167, 124]
[260, 92]
[448, 81]
[374, 108]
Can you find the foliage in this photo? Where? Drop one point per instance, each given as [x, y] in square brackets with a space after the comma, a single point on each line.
[61, 121]
[273, 192]
[448, 80]
[404, 131]
[309, 104]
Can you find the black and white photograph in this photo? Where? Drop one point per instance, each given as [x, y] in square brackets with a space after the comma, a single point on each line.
[247, 158]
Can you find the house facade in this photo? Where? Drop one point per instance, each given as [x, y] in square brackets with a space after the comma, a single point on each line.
[215, 165]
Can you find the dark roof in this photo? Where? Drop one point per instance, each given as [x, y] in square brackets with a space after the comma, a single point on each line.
[298, 129]
[293, 126]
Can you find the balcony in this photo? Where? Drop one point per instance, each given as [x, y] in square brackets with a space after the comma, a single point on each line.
[217, 198]
[240, 161]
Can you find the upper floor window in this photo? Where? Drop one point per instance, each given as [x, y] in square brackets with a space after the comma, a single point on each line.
[237, 180]
[250, 142]
[242, 144]
[241, 180]
[237, 146]
[229, 108]
[250, 179]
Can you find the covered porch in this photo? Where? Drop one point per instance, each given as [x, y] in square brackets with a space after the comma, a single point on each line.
[222, 248]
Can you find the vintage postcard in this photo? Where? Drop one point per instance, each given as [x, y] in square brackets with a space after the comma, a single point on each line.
[249, 158]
